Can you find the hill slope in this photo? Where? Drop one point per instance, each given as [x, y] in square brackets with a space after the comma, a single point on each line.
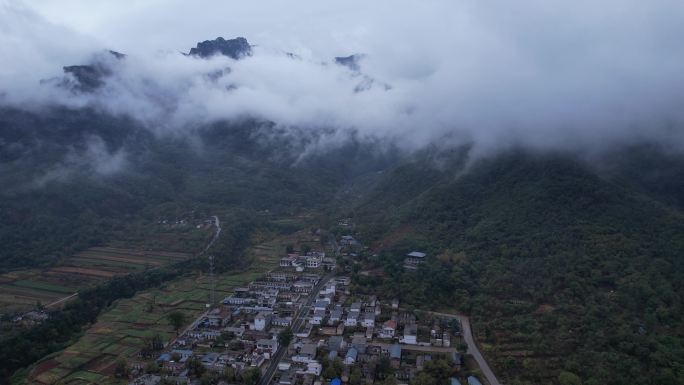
[561, 269]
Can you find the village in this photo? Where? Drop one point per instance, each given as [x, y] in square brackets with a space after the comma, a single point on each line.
[302, 323]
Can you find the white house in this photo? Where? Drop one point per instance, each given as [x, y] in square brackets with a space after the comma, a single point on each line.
[368, 320]
[320, 305]
[389, 327]
[413, 259]
[312, 367]
[410, 335]
[352, 319]
[351, 356]
[307, 353]
[313, 261]
[261, 321]
[267, 347]
[329, 288]
[318, 316]
[335, 317]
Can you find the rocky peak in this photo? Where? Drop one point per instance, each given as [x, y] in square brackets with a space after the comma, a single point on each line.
[91, 76]
[234, 48]
[351, 61]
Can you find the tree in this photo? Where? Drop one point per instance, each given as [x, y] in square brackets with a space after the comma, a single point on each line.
[251, 376]
[423, 379]
[152, 367]
[121, 368]
[285, 336]
[177, 320]
[569, 378]
[208, 378]
[384, 368]
[195, 366]
[440, 370]
[389, 380]
[356, 377]
[229, 374]
[151, 345]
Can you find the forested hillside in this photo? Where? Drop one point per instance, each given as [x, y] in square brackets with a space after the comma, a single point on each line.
[566, 267]
[563, 271]
[79, 178]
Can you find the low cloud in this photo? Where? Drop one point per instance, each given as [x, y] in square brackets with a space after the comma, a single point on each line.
[94, 158]
[576, 76]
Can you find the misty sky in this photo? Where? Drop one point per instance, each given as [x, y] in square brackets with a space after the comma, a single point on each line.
[542, 74]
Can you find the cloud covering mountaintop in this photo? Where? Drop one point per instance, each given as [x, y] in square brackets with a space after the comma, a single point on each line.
[552, 75]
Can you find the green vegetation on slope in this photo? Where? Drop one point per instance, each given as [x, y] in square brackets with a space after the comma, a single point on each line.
[561, 270]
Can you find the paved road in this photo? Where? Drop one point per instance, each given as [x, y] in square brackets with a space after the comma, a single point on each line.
[472, 346]
[297, 321]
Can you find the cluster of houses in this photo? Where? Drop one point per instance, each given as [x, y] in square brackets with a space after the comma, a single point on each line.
[30, 318]
[330, 324]
[310, 260]
[359, 330]
[241, 332]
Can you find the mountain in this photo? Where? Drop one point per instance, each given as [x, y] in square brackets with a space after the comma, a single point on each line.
[88, 77]
[74, 176]
[565, 265]
[351, 61]
[233, 48]
[561, 268]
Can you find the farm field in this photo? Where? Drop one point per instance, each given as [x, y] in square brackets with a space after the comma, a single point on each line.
[121, 331]
[22, 290]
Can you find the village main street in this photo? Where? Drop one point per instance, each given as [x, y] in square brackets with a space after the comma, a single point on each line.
[296, 326]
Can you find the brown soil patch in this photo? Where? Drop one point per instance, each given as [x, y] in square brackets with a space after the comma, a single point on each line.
[85, 271]
[104, 364]
[44, 367]
[108, 368]
[544, 308]
[122, 259]
[30, 293]
[141, 325]
[116, 250]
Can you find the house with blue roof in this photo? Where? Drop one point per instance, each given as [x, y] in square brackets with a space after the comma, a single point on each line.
[351, 356]
[395, 355]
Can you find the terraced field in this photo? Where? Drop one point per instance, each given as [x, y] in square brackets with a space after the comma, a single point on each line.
[22, 290]
[120, 332]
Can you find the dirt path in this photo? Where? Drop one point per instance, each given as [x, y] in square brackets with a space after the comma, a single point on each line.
[217, 223]
[61, 300]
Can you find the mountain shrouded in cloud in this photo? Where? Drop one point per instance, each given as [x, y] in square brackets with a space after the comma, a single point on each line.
[534, 151]
[233, 48]
[568, 75]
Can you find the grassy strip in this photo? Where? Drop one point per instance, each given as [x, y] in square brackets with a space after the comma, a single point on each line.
[45, 286]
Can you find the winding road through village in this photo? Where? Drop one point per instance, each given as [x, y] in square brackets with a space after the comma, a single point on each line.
[472, 346]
